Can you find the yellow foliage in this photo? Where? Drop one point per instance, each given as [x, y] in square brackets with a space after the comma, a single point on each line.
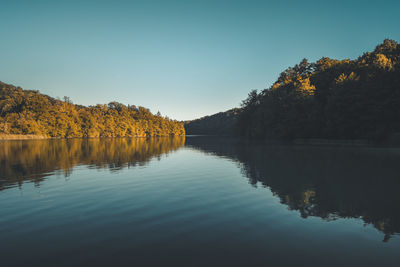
[304, 86]
[29, 112]
[345, 78]
[383, 62]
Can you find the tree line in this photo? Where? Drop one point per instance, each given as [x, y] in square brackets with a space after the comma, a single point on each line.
[30, 112]
[333, 99]
[337, 99]
[222, 123]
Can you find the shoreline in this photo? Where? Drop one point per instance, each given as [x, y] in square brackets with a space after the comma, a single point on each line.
[6, 137]
[297, 141]
[334, 142]
[10, 137]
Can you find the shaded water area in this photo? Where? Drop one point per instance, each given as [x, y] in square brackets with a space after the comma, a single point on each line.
[197, 201]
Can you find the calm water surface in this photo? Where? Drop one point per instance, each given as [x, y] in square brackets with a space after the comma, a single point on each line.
[198, 201]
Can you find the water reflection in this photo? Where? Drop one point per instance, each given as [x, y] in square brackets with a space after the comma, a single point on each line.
[328, 182]
[29, 160]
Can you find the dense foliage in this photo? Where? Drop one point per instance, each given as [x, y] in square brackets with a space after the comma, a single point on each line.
[30, 112]
[339, 99]
[222, 123]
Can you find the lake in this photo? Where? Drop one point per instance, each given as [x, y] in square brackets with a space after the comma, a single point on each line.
[197, 201]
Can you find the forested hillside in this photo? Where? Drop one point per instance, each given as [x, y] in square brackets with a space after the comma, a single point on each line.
[30, 112]
[338, 99]
[222, 123]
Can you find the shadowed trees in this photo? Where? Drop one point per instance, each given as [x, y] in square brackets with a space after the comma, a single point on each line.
[222, 123]
[339, 99]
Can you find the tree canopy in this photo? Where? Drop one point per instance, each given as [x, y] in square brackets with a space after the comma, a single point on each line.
[338, 99]
[222, 123]
[30, 112]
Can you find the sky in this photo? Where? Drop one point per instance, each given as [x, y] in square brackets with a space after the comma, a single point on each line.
[186, 59]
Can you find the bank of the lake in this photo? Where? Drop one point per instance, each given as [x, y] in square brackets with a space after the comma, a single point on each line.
[22, 137]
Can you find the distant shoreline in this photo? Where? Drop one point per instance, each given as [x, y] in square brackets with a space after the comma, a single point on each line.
[6, 137]
[323, 141]
[9, 137]
[297, 141]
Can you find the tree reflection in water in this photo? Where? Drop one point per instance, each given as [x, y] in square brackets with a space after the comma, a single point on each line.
[29, 160]
[328, 182]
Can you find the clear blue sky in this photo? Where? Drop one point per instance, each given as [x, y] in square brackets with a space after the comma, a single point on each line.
[186, 59]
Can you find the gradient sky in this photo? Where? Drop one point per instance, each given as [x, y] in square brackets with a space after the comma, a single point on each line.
[185, 59]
